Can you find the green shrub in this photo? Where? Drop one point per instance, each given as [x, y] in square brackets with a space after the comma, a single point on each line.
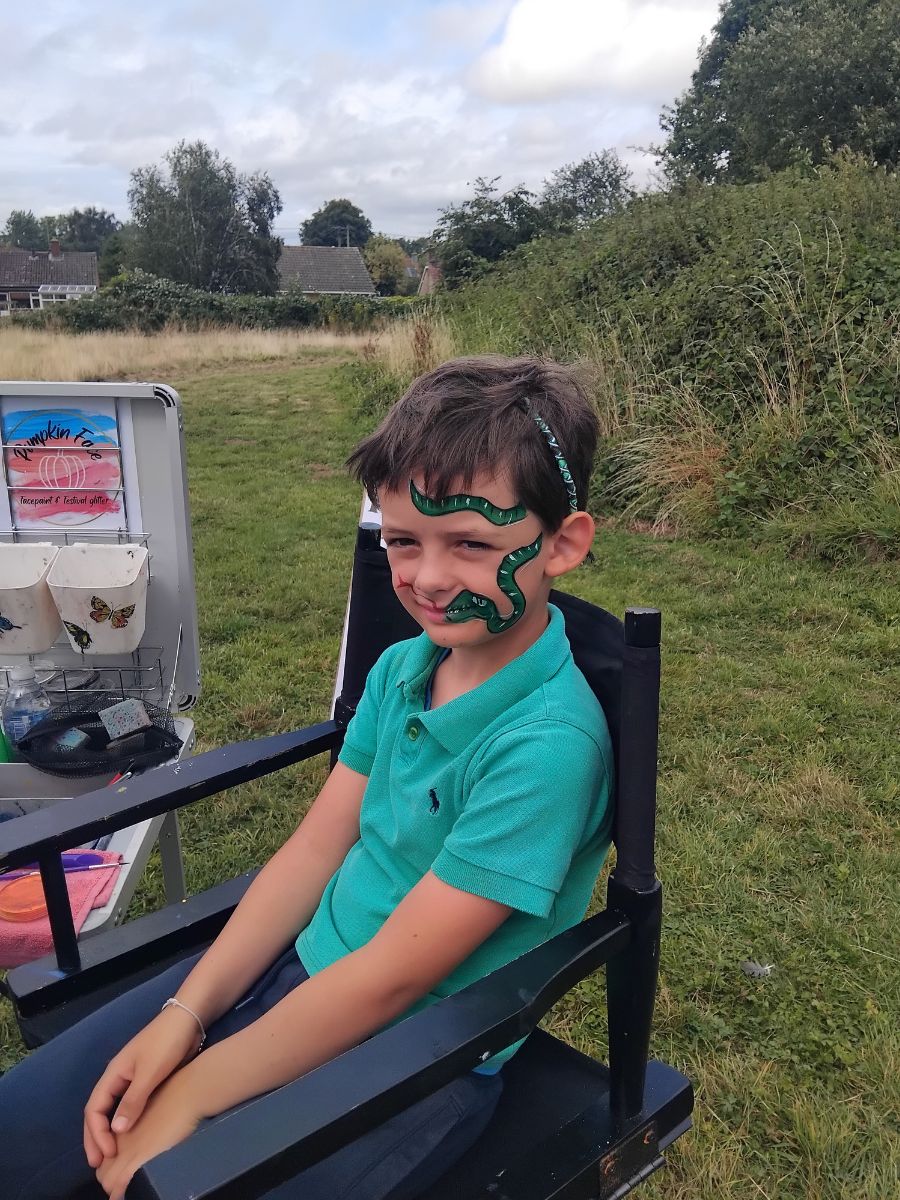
[147, 303]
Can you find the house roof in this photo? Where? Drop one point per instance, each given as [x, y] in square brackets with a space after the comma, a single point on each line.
[20, 268]
[325, 269]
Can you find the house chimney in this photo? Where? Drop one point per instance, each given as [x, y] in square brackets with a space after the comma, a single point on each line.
[54, 248]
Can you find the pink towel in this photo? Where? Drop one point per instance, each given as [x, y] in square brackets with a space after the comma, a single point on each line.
[22, 941]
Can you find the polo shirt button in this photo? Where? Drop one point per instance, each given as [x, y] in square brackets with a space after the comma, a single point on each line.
[413, 732]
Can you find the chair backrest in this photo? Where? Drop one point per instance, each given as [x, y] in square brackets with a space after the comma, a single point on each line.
[608, 653]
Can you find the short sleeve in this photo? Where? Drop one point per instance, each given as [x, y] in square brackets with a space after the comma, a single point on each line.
[361, 738]
[539, 795]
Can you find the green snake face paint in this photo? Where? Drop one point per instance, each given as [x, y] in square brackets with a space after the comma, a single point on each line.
[471, 606]
[463, 503]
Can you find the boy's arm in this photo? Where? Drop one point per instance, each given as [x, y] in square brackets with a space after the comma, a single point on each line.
[279, 902]
[432, 930]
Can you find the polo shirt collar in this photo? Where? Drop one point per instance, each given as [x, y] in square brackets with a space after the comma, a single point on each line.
[458, 722]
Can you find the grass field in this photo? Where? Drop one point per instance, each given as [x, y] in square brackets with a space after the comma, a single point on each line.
[778, 786]
[41, 354]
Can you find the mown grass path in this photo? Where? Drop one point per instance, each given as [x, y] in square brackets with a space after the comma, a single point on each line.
[778, 789]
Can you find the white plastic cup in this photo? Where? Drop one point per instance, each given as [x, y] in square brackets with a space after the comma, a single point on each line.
[101, 594]
[29, 621]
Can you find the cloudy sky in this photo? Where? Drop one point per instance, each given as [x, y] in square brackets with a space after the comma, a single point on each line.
[397, 105]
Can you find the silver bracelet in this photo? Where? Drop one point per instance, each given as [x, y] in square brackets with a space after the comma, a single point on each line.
[173, 1003]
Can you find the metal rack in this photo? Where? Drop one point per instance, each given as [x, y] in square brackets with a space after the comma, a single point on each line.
[142, 678]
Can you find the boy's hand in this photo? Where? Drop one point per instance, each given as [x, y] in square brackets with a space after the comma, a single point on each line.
[136, 1071]
[168, 1118]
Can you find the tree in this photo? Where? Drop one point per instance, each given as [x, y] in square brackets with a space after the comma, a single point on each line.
[582, 192]
[781, 82]
[199, 221]
[386, 261]
[816, 79]
[117, 254]
[86, 229]
[24, 230]
[337, 223]
[697, 125]
[414, 246]
[472, 235]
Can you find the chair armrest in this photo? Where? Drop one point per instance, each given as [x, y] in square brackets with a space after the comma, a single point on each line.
[60, 826]
[269, 1140]
[39, 988]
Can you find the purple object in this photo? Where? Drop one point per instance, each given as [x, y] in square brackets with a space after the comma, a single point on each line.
[70, 858]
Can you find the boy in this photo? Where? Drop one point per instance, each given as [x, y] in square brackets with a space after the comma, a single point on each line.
[465, 822]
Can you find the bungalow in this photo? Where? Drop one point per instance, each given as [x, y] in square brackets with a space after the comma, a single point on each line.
[321, 270]
[36, 280]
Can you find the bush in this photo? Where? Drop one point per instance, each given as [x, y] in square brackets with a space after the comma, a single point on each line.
[146, 303]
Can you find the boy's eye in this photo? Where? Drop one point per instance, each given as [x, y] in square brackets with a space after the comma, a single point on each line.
[475, 545]
[398, 542]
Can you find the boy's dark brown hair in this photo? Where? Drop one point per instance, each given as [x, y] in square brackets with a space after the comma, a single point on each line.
[474, 414]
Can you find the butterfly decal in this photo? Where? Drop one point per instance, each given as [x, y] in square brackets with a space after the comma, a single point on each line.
[6, 624]
[79, 636]
[117, 617]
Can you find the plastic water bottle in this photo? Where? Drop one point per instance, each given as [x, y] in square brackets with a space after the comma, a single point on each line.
[25, 704]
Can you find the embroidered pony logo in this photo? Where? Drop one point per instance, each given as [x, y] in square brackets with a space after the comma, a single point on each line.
[435, 803]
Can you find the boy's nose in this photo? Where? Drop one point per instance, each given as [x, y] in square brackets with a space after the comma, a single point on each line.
[431, 577]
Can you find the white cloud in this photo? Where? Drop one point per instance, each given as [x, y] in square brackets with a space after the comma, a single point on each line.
[466, 25]
[554, 48]
[399, 107]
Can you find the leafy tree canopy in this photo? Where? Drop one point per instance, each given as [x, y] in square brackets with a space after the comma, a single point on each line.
[414, 246]
[582, 192]
[386, 260]
[117, 252]
[199, 221]
[85, 228]
[24, 230]
[337, 223]
[472, 235]
[80, 229]
[782, 82]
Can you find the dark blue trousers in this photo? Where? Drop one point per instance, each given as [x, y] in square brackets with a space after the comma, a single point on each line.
[42, 1101]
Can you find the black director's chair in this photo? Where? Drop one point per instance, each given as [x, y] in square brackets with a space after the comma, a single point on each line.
[566, 1126]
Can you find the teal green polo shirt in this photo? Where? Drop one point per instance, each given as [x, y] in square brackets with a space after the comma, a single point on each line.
[504, 792]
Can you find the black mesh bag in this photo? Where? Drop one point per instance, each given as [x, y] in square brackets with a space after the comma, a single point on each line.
[148, 747]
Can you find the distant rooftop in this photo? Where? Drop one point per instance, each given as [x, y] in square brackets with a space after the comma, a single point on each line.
[21, 268]
[335, 269]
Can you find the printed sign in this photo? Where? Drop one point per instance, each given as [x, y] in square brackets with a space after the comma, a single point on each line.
[63, 463]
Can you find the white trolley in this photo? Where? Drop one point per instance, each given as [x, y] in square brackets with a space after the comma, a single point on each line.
[104, 464]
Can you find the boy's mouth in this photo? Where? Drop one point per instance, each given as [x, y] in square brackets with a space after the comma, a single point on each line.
[437, 611]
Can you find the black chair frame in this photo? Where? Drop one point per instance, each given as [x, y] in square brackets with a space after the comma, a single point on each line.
[566, 1125]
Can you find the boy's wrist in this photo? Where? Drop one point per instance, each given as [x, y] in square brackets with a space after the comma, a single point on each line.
[207, 1086]
[174, 1002]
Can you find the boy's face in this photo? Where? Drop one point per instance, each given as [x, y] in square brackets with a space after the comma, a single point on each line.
[468, 569]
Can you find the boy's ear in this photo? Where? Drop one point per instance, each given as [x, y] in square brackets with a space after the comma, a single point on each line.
[570, 544]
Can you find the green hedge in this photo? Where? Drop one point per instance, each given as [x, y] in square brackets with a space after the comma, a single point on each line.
[146, 303]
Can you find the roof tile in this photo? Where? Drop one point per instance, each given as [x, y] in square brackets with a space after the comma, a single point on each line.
[20, 268]
[325, 269]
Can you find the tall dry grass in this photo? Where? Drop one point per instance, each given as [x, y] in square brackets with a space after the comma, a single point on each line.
[409, 348]
[36, 354]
